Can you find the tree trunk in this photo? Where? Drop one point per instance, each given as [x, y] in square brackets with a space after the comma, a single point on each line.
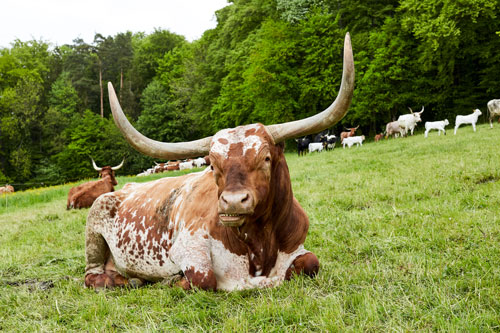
[121, 84]
[102, 92]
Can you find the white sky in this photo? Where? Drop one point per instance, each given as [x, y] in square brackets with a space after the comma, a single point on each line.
[61, 21]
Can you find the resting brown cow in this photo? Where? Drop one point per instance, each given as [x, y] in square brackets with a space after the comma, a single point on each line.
[235, 225]
[6, 189]
[84, 195]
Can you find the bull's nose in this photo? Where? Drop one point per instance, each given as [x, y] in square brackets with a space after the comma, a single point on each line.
[236, 202]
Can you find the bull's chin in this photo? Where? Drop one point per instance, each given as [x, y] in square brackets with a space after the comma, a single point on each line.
[232, 220]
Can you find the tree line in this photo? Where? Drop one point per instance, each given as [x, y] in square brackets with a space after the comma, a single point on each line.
[266, 61]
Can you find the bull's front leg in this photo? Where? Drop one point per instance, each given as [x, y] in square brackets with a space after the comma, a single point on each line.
[307, 264]
[192, 254]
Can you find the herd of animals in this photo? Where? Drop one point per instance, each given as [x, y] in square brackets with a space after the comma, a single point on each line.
[402, 127]
[235, 225]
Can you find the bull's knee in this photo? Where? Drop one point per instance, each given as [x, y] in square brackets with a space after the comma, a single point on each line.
[202, 280]
[307, 264]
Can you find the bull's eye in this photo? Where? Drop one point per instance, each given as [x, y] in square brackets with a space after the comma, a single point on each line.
[212, 167]
[268, 159]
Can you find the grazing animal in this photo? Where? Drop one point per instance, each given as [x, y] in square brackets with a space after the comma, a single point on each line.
[330, 141]
[316, 146]
[409, 121]
[353, 140]
[393, 129]
[468, 119]
[235, 225]
[351, 132]
[494, 110]
[437, 125]
[84, 195]
[379, 137]
[302, 145]
[7, 189]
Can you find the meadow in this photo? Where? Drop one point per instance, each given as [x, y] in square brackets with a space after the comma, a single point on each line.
[406, 230]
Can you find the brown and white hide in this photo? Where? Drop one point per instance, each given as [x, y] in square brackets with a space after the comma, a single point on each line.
[171, 227]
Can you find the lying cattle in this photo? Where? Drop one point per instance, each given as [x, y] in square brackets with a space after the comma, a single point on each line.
[186, 165]
[302, 145]
[199, 162]
[173, 165]
[468, 119]
[235, 225]
[6, 189]
[393, 129]
[160, 167]
[350, 132]
[353, 140]
[316, 146]
[330, 141]
[494, 110]
[409, 121]
[437, 125]
[379, 137]
[84, 195]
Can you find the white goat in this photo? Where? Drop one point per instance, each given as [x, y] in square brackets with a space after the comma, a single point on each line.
[316, 146]
[353, 140]
[437, 125]
[468, 119]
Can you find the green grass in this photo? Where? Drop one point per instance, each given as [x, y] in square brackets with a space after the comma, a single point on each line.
[407, 232]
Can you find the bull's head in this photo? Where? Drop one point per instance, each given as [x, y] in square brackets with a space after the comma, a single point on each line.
[107, 171]
[416, 115]
[244, 159]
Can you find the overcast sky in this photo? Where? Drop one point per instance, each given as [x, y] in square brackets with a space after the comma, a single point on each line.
[61, 21]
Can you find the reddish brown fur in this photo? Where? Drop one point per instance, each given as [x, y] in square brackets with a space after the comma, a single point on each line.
[6, 189]
[379, 137]
[84, 195]
[351, 132]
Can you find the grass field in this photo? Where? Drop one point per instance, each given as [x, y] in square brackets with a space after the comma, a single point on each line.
[407, 233]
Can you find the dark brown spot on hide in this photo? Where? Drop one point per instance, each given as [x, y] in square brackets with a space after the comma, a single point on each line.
[223, 141]
[236, 149]
[205, 281]
[251, 131]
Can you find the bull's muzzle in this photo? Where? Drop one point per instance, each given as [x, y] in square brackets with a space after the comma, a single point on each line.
[234, 207]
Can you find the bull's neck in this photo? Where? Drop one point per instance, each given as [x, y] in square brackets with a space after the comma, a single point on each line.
[265, 237]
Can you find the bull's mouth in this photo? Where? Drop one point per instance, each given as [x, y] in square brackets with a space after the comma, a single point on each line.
[232, 220]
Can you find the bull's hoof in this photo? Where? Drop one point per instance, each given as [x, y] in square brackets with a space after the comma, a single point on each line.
[307, 264]
[99, 281]
[135, 283]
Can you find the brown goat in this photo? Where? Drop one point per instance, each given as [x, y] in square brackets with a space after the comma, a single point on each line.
[84, 195]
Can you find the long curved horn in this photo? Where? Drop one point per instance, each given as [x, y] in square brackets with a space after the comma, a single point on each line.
[118, 166]
[422, 109]
[410, 109]
[153, 148]
[95, 166]
[331, 115]
[356, 127]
